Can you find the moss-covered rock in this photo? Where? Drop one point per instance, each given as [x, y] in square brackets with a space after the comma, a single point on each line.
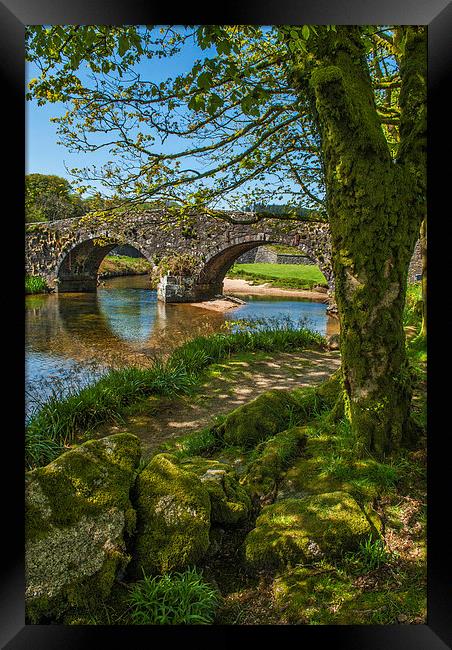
[325, 596]
[230, 502]
[173, 517]
[331, 389]
[259, 419]
[305, 476]
[274, 456]
[312, 595]
[78, 513]
[299, 531]
[321, 469]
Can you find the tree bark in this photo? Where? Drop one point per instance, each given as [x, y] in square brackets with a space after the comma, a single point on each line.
[374, 219]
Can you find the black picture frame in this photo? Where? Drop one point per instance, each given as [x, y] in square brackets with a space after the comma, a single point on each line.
[14, 15]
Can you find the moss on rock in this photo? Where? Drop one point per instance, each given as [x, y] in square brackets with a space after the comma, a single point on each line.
[299, 531]
[326, 596]
[173, 517]
[259, 419]
[230, 502]
[305, 477]
[75, 525]
[274, 456]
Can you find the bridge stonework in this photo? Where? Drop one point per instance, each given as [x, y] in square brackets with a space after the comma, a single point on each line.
[68, 253]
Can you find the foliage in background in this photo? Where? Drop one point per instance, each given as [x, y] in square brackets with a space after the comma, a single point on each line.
[49, 198]
[179, 264]
[412, 314]
[123, 265]
[240, 96]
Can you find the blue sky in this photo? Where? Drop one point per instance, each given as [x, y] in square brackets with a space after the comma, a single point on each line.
[44, 156]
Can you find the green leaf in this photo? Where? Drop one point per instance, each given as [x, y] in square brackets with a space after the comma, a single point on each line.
[305, 32]
[90, 37]
[123, 45]
[215, 102]
[197, 103]
[204, 80]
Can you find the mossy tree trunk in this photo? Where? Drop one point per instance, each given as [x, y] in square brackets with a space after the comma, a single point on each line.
[375, 207]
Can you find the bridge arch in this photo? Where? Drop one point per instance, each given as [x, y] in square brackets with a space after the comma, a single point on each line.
[216, 267]
[78, 264]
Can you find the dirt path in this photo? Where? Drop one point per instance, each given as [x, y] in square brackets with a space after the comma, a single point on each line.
[228, 385]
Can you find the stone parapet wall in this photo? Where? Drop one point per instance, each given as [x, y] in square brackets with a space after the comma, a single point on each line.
[265, 255]
[415, 268]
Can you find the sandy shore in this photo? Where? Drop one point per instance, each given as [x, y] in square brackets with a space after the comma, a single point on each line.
[215, 305]
[244, 287]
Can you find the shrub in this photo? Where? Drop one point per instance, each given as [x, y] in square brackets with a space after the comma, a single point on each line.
[173, 599]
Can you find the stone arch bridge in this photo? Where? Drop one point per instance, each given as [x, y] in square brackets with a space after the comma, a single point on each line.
[68, 253]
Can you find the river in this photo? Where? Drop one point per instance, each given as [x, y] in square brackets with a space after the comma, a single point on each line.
[73, 338]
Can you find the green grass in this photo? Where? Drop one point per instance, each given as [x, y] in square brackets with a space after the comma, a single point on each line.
[412, 314]
[124, 265]
[293, 276]
[61, 421]
[173, 599]
[371, 554]
[35, 284]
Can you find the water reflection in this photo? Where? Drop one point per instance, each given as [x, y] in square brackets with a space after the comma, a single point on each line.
[129, 313]
[73, 338]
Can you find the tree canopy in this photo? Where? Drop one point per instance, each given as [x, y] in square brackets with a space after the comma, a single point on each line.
[49, 198]
[240, 131]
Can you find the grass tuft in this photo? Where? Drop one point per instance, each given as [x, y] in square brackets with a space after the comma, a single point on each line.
[35, 284]
[173, 599]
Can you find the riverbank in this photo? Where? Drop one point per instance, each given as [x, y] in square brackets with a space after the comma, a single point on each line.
[253, 501]
[246, 288]
[282, 276]
[239, 286]
[226, 385]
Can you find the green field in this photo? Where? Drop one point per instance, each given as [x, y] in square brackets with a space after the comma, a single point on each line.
[123, 265]
[290, 276]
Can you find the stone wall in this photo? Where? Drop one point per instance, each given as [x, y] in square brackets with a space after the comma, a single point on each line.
[284, 258]
[265, 255]
[247, 258]
[415, 268]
